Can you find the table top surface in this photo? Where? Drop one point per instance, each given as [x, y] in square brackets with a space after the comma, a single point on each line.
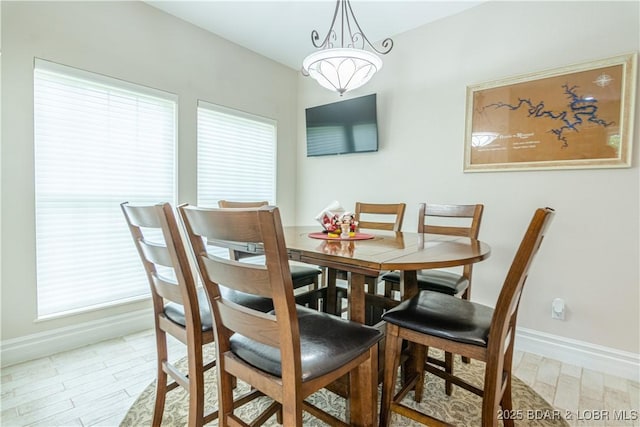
[387, 250]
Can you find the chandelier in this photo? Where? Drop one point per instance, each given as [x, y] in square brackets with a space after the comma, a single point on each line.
[348, 66]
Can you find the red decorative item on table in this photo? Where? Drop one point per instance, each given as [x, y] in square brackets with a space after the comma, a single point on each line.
[333, 216]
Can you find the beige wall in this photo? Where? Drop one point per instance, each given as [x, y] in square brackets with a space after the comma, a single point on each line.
[137, 43]
[591, 255]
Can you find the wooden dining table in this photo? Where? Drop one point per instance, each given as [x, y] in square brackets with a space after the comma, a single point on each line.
[384, 251]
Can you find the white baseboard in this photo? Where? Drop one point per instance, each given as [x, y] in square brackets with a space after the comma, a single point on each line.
[44, 344]
[567, 350]
[579, 353]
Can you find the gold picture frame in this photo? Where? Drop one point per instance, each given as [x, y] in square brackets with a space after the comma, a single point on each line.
[574, 117]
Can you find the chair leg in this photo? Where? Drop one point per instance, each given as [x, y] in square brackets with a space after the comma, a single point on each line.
[388, 289]
[467, 295]
[506, 402]
[420, 354]
[448, 367]
[196, 387]
[161, 380]
[489, 411]
[391, 362]
[225, 392]
[363, 387]
[313, 302]
[291, 411]
[372, 284]
[492, 392]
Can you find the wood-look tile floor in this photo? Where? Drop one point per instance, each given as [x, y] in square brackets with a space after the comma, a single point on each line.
[95, 386]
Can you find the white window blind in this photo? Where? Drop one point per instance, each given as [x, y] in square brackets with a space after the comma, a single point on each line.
[98, 142]
[236, 156]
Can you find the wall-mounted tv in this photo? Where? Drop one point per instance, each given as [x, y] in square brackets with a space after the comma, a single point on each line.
[342, 127]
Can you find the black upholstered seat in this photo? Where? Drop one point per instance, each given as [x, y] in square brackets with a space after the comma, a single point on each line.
[304, 275]
[434, 280]
[175, 312]
[320, 351]
[444, 316]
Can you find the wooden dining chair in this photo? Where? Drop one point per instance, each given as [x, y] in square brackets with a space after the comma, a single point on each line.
[180, 309]
[380, 216]
[291, 352]
[434, 319]
[302, 275]
[442, 280]
[430, 220]
[373, 216]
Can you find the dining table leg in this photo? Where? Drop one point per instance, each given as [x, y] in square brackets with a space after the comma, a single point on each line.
[408, 284]
[332, 305]
[355, 296]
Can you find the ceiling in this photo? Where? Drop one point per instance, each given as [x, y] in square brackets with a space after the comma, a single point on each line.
[281, 30]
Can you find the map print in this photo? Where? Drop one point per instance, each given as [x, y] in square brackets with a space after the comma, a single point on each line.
[565, 117]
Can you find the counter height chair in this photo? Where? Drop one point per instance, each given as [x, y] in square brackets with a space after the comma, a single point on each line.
[302, 275]
[180, 309]
[372, 216]
[380, 216]
[441, 280]
[435, 319]
[288, 353]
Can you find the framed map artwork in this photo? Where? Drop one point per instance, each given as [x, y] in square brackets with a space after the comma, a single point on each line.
[575, 117]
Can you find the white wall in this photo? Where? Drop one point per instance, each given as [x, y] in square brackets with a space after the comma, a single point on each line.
[591, 255]
[137, 43]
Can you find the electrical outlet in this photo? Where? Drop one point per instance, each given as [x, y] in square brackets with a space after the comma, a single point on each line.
[557, 309]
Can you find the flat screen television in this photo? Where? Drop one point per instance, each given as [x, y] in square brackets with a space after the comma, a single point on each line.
[342, 127]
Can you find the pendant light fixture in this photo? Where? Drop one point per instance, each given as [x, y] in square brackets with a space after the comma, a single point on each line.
[348, 66]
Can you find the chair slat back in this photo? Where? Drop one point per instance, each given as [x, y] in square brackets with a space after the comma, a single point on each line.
[505, 313]
[368, 215]
[472, 212]
[244, 277]
[156, 254]
[167, 288]
[255, 325]
[163, 259]
[229, 204]
[257, 230]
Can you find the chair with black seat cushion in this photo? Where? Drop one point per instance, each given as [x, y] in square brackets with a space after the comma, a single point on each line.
[434, 319]
[180, 309]
[372, 216]
[442, 280]
[302, 275]
[290, 352]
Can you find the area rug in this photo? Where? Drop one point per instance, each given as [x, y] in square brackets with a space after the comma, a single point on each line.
[460, 409]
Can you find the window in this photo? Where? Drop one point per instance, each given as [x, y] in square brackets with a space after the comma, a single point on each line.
[98, 142]
[236, 156]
